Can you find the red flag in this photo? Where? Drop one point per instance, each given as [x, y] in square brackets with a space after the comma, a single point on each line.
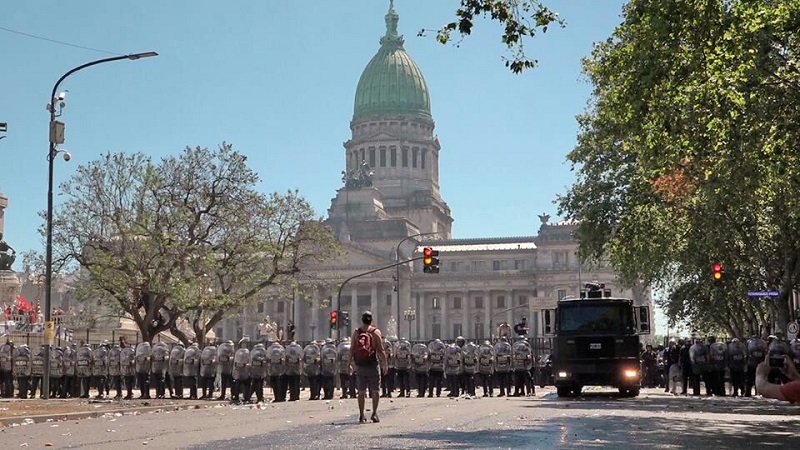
[22, 304]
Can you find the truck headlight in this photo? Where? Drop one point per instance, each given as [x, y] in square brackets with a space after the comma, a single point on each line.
[562, 374]
[631, 373]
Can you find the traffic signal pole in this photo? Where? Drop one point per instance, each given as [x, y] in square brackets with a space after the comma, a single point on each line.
[339, 295]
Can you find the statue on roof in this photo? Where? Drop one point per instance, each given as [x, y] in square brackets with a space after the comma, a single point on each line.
[544, 218]
[7, 254]
[355, 179]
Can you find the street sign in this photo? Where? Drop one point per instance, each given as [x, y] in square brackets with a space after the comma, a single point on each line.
[763, 293]
[792, 327]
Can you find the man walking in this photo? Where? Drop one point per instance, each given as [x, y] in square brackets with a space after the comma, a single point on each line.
[369, 356]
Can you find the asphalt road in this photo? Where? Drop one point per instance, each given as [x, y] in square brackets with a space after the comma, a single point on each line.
[595, 420]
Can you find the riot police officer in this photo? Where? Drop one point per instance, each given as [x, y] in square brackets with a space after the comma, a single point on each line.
[420, 365]
[718, 352]
[191, 369]
[387, 381]
[158, 367]
[127, 369]
[144, 354]
[56, 371]
[225, 353]
[83, 369]
[276, 370]
[522, 361]
[37, 371]
[208, 370]
[453, 369]
[68, 361]
[258, 371]
[737, 364]
[294, 367]
[346, 381]
[312, 369]
[486, 367]
[328, 356]
[175, 370]
[436, 355]
[502, 366]
[22, 369]
[756, 351]
[6, 369]
[402, 363]
[240, 373]
[701, 367]
[100, 368]
[470, 360]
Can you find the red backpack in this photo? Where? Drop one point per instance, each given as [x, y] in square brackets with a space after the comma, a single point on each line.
[365, 349]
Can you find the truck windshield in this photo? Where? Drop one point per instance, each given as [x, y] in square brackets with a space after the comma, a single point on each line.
[595, 319]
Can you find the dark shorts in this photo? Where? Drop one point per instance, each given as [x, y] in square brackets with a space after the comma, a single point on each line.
[368, 377]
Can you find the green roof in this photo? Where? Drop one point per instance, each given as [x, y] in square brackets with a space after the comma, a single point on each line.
[392, 83]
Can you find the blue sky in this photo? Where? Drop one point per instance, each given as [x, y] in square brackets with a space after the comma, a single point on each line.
[277, 79]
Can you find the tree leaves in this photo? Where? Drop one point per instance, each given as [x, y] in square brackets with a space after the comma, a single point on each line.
[520, 19]
[685, 154]
[187, 237]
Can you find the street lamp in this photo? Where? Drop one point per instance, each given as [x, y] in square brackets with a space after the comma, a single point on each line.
[410, 315]
[56, 130]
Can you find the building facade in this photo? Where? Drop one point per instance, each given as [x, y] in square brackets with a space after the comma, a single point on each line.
[390, 207]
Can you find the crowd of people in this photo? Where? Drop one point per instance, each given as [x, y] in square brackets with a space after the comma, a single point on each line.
[721, 367]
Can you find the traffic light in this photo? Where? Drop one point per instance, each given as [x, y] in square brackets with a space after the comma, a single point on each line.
[430, 260]
[717, 272]
[334, 319]
[346, 318]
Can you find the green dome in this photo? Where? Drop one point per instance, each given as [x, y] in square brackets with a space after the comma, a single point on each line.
[392, 83]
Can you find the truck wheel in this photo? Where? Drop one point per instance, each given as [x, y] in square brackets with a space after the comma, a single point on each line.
[563, 391]
[635, 392]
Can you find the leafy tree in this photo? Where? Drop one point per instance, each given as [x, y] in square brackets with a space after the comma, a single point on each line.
[520, 19]
[188, 237]
[688, 154]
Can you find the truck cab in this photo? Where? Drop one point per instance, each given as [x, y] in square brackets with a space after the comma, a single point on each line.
[596, 341]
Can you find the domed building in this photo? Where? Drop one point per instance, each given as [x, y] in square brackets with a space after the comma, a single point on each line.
[390, 207]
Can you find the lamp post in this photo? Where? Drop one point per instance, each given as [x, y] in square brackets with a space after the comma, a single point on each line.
[397, 258]
[57, 137]
[410, 315]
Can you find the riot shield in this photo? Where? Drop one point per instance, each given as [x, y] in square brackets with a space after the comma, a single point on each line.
[294, 357]
[328, 357]
[470, 357]
[225, 353]
[402, 355]
[127, 362]
[276, 360]
[191, 361]
[83, 364]
[343, 350]
[486, 358]
[144, 355]
[241, 364]
[37, 362]
[100, 362]
[176, 362]
[22, 361]
[258, 361]
[311, 360]
[160, 360]
[208, 361]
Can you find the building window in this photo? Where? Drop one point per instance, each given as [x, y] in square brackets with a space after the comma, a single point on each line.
[435, 303]
[259, 307]
[414, 152]
[479, 330]
[501, 301]
[562, 293]
[453, 266]
[383, 157]
[372, 157]
[496, 265]
[457, 304]
[436, 330]
[393, 156]
[519, 264]
[523, 300]
[388, 299]
[479, 302]
[405, 156]
[424, 153]
[535, 293]
[363, 157]
[281, 306]
[457, 329]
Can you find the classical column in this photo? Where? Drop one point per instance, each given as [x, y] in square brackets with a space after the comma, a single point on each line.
[509, 305]
[487, 310]
[319, 331]
[355, 314]
[445, 323]
[297, 315]
[373, 303]
[469, 322]
[422, 314]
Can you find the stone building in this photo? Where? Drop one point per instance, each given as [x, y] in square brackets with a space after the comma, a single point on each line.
[390, 207]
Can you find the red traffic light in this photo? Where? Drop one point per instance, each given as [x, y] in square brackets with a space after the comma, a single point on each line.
[717, 267]
[716, 271]
[427, 252]
[334, 315]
